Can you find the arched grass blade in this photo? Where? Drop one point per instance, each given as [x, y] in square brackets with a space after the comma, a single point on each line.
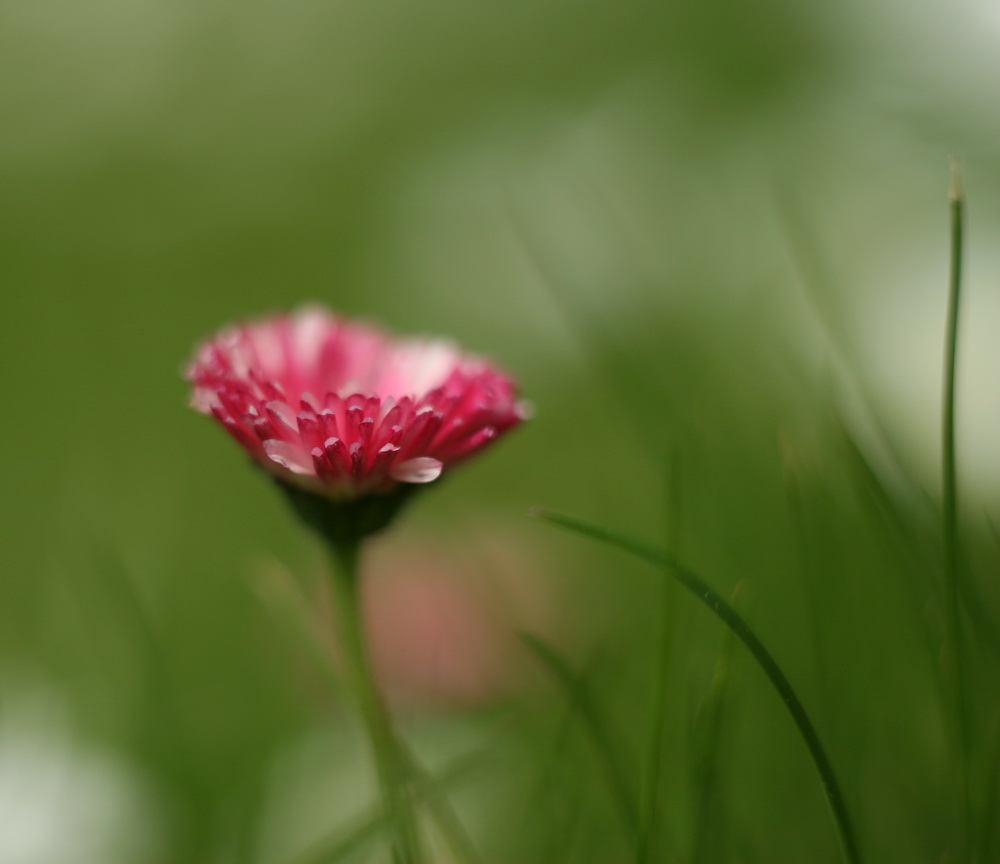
[734, 621]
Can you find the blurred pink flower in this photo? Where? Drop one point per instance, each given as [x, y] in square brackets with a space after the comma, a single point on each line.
[339, 408]
[442, 617]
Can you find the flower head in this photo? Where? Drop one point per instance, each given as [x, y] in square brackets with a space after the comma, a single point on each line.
[342, 410]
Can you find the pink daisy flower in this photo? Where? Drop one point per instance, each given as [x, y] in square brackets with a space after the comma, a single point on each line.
[343, 410]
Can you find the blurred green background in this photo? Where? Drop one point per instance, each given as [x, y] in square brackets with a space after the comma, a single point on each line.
[710, 240]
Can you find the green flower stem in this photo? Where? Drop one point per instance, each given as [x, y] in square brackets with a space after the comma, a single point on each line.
[390, 759]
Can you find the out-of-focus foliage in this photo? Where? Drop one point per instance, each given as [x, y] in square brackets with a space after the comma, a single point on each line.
[711, 241]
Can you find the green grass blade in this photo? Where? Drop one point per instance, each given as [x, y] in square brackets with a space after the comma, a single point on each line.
[988, 841]
[649, 806]
[558, 837]
[644, 551]
[949, 504]
[706, 740]
[949, 512]
[428, 789]
[292, 612]
[627, 379]
[282, 594]
[341, 848]
[597, 727]
[734, 621]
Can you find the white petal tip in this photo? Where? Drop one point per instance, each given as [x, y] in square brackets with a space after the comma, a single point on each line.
[288, 456]
[423, 469]
[204, 400]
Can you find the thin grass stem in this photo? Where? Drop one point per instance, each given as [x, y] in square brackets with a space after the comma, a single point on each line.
[649, 804]
[949, 508]
[987, 845]
[734, 621]
[706, 745]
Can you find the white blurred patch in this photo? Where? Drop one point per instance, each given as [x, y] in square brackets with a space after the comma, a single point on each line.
[901, 328]
[312, 325]
[61, 801]
[420, 365]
